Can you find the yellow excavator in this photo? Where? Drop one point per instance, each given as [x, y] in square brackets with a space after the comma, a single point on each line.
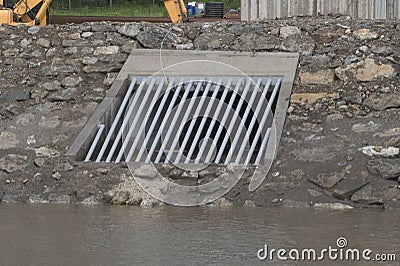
[28, 12]
[36, 12]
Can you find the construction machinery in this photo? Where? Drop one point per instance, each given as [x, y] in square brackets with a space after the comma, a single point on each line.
[176, 10]
[36, 12]
[28, 12]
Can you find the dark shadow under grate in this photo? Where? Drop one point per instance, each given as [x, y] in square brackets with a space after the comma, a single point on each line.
[190, 120]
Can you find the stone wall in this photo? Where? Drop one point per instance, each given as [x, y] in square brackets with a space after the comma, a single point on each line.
[364, 9]
[340, 142]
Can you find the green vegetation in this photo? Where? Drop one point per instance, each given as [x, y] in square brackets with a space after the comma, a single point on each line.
[123, 8]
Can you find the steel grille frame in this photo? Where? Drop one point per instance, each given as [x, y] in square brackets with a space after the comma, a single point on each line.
[277, 70]
[240, 106]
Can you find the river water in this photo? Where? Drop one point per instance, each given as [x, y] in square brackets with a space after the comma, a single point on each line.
[125, 235]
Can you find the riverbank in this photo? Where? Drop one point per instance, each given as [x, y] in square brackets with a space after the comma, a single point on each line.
[340, 142]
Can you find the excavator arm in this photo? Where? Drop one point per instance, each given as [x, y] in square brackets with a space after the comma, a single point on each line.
[176, 10]
[29, 12]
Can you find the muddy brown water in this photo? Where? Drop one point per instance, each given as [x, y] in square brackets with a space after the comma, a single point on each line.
[110, 235]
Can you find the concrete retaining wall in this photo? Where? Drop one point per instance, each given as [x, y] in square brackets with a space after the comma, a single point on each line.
[365, 9]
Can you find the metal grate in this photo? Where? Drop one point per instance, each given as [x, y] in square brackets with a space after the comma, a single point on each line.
[190, 120]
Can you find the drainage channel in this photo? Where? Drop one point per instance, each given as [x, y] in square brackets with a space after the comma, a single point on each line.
[191, 107]
[178, 120]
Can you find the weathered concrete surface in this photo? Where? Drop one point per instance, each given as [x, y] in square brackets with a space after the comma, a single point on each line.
[344, 102]
[363, 9]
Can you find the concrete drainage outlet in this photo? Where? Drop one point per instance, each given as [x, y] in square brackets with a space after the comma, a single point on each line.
[180, 115]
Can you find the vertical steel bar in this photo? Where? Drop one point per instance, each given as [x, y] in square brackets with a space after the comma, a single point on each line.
[124, 122]
[263, 145]
[173, 122]
[165, 118]
[244, 118]
[185, 117]
[200, 129]
[132, 126]
[143, 125]
[263, 121]
[254, 119]
[204, 120]
[233, 122]
[224, 118]
[191, 125]
[215, 117]
[116, 120]
[155, 120]
[94, 143]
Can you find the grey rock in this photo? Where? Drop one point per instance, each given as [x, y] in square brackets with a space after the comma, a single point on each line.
[300, 44]
[13, 162]
[129, 46]
[113, 58]
[353, 96]
[44, 42]
[147, 203]
[61, 199]
[51, 86]
[86, 34]
[214, 41]
[8, 140]
[371, 126]
[25, 42]
[365, 49]
[56, 70]
[373, 193]
[74, 43]
[70, 50]
[334, 117]
[120, 198]
[221, 202]
[56, 175]
[386, 168]
[317, 154]
[351, 59]
[146, 171]
[67, 94]
[106, 50]
[88, 60]
[46, 152]
[333, 206]
[110, 78]
[51, 52]
[9, 198]
[249, 203]
[10, 52]
[192, 33]
[295, 203]
[39, 162]
[382, 50]
[287, 31]
[380, 151]
[65, 167]
[33, 30]
[255, 42]
[71, 81]
[14, 95]
[102, 27]
[347, 187]
[130, 30]
[186, 46]
[87, 50]
[383, 102]
[326, 180]
[154, 37]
